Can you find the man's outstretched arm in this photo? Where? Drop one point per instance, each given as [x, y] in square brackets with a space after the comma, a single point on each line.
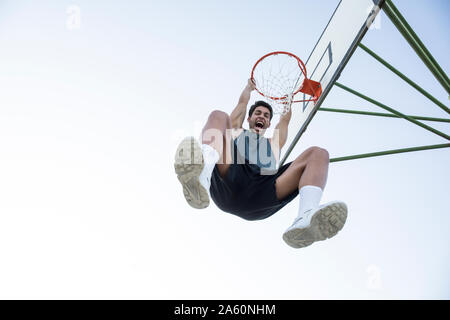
[280, 133]
[238, 114]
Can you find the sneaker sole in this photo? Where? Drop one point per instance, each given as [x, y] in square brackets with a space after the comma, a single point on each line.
[325, 223]
[188, 166]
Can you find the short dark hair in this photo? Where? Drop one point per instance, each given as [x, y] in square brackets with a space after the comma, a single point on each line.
[260, 104]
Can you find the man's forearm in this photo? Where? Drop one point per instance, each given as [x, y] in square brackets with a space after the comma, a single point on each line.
[281, 130]
[286, 118]
[245, 95]
[238, 114]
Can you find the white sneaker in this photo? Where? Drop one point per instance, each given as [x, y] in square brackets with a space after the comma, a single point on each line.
[315, 225]
[188, 167]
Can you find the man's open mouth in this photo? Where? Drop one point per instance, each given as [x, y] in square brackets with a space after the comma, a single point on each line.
[259, 124]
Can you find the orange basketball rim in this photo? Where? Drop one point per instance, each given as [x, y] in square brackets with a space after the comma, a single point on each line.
[279, 75]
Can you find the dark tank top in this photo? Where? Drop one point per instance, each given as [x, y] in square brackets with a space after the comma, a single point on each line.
[253, 149]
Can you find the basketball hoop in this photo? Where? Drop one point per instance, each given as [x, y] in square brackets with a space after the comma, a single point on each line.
[279, 76]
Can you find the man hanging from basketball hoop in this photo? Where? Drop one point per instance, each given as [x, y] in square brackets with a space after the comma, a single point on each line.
[237, 169]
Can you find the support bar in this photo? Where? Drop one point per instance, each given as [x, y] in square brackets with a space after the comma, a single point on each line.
[408, 33]
[405, 78]
[378, 114]
[385, 107]
[383, 153]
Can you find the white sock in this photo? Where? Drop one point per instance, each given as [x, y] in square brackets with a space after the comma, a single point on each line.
[210, 158]
[309, 198]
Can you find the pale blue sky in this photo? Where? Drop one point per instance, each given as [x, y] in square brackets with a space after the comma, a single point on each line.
[90, 118]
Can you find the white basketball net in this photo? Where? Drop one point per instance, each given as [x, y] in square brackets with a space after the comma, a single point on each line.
[277, 77]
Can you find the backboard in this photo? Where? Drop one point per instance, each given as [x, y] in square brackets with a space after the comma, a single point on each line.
[345, 30]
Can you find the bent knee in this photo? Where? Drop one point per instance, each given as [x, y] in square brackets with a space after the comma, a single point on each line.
[312, 152]
[319, 152]
[219, 115]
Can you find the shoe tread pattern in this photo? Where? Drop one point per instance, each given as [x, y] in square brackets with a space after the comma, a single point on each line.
[325, 223]
[188, 166]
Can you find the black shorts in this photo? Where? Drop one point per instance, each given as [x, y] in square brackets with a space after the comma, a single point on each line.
[246, 193]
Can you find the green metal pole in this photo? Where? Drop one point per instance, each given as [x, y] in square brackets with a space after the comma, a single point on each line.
[385, 107]
[378, 114]
[388, 152]
[417, 40]
[403, 27]
[405, 78]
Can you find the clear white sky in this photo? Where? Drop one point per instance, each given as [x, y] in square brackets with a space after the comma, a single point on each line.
[90, 118]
